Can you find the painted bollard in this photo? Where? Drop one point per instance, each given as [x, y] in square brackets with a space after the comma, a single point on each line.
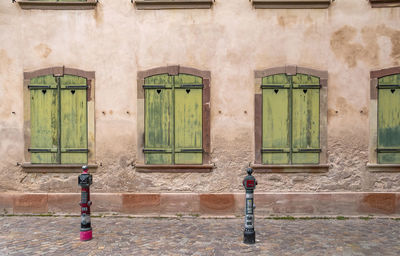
[249, 184]
[85, 180]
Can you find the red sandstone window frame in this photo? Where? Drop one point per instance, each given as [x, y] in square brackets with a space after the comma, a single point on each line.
[291, 4]
[373, 165]
[57, 5]
[172, 4]
[140, 165]
[323, 165]
[384, 3]
[91, 122]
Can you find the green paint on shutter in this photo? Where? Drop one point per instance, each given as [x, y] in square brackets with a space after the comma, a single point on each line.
[158, 119]
[305, 119]
[73, 139]
[159, 80]
[389, 80]
[276, 123]
[44, 120]
[276, 80]
[188, 119]
[173, 119]
[389, 120]
[290, 132]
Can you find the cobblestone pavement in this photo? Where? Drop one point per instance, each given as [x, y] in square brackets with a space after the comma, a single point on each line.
[198, 236]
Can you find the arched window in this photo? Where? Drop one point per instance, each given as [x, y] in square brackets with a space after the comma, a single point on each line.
[176, 124]
[385, 117]
[58, 128]
[290, 116]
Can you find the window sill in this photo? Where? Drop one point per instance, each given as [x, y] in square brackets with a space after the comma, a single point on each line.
[44, 5]
[56, 168]
[172, 4]
[383, 167]
[291, 4]
[184, 168]
[384, 3]
[306, 168]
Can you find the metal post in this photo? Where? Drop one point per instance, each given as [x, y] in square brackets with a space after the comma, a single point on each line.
[249, 184]
[85, 180]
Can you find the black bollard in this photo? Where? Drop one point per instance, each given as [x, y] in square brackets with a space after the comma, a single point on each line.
[249, 184]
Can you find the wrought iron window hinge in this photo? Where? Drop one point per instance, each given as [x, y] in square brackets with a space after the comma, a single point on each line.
[39, 87]
[272, 86]
[309, 86]
[149, 86]
[190, 86]
[387, 150]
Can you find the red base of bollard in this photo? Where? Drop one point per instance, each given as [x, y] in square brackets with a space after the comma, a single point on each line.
[86, 235]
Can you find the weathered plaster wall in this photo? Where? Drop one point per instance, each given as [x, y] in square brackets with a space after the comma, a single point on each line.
[231, 40]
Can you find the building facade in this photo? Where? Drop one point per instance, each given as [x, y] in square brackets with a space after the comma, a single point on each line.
[169, 101]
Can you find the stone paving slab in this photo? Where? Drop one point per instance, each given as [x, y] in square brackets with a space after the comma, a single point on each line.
[198, 236]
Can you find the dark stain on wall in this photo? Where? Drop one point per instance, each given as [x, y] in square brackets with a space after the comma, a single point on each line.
[5, 61]
[394, 36]
[98, 14]
[344, 47]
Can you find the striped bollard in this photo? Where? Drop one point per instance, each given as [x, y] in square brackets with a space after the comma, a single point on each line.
[85, 180]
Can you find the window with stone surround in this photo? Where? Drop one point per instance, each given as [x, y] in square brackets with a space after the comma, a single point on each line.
[290, 120]
[59, 118]
[384, 145]
[173, 120]
[58, 4]
[173, 4]
[291, 4]
[384, 3]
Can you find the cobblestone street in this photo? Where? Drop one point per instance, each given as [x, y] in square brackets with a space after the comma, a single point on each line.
[198, 236]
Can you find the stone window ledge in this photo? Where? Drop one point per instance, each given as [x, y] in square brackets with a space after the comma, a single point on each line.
[384, 3]
[383, 167]
[184, 168]
[296, 168]
[45, 5]
[56, 168]
[291, 4]
[172, 4]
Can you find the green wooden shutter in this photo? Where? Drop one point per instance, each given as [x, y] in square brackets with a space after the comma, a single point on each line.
[188, 119]
[73, 139]
[389, 120]
[305, 119]
[44, 120]
[276, 121]
[158, 119]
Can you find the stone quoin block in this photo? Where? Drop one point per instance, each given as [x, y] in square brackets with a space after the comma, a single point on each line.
[217, 204]
[292, 203]
[175, 203]
[106, 202]
[141, 203]
[378, 203]
[64, 203]
[30, 203]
